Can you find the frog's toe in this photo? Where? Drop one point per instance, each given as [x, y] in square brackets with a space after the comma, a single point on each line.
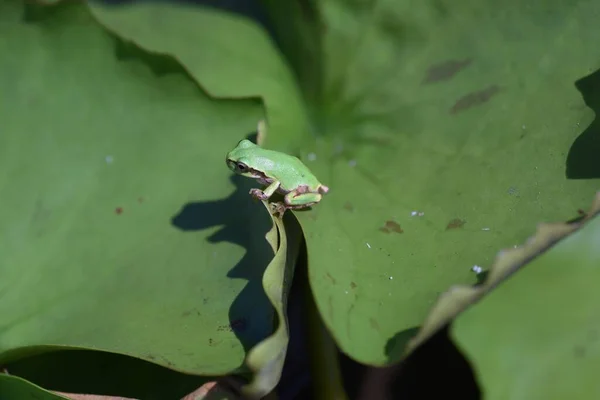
[257, 193]
[323, 189]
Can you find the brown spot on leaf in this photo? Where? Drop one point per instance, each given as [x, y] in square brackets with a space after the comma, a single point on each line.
[391, 226]
[187, 313]
[119, 210]
[150, 357]
[238, 325]
[445, 70]
[474, 99]
[456, 223]
[373, 323]
[140, 199]
[353, 285]
[331, 278]
[348, 206]
[579, 352]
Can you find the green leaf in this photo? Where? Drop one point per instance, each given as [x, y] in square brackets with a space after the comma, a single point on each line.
[12, 387]
[121, 228]
[267, 358]
[229, 55]
[464, 112]
[540, 325]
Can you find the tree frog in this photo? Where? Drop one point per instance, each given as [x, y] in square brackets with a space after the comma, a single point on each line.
[279, 172]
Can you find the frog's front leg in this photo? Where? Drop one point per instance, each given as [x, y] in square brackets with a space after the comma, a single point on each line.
[268, 192]
[301, 199]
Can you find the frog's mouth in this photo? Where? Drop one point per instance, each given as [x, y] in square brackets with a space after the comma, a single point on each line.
[232, 166]
[252, 173]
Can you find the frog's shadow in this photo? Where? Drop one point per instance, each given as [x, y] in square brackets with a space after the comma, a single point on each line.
[582, 159]
[244, 223]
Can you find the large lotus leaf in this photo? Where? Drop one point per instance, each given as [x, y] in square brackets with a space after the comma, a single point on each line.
[228, 54]
[540, 326]
[121, 228]
[446, 128]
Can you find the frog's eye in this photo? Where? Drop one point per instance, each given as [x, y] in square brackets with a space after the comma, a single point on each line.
[241, 167]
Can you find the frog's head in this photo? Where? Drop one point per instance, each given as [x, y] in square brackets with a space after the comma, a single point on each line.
[238, 159]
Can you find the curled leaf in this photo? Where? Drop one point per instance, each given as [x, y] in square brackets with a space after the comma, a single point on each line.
[266, 359]
[507, 262]
[537, 334]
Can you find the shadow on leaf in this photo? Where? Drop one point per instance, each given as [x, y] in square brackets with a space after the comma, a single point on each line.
[246, 8]
[243, 224]
[396, 345]
[80, 371]
[435, 367]
[583, 158]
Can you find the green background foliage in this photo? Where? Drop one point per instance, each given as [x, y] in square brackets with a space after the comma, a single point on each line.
[445, 132]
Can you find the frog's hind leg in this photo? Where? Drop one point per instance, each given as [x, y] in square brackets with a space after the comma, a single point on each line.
[295, 200]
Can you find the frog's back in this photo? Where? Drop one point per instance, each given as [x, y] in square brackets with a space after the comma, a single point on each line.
[290, 170]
